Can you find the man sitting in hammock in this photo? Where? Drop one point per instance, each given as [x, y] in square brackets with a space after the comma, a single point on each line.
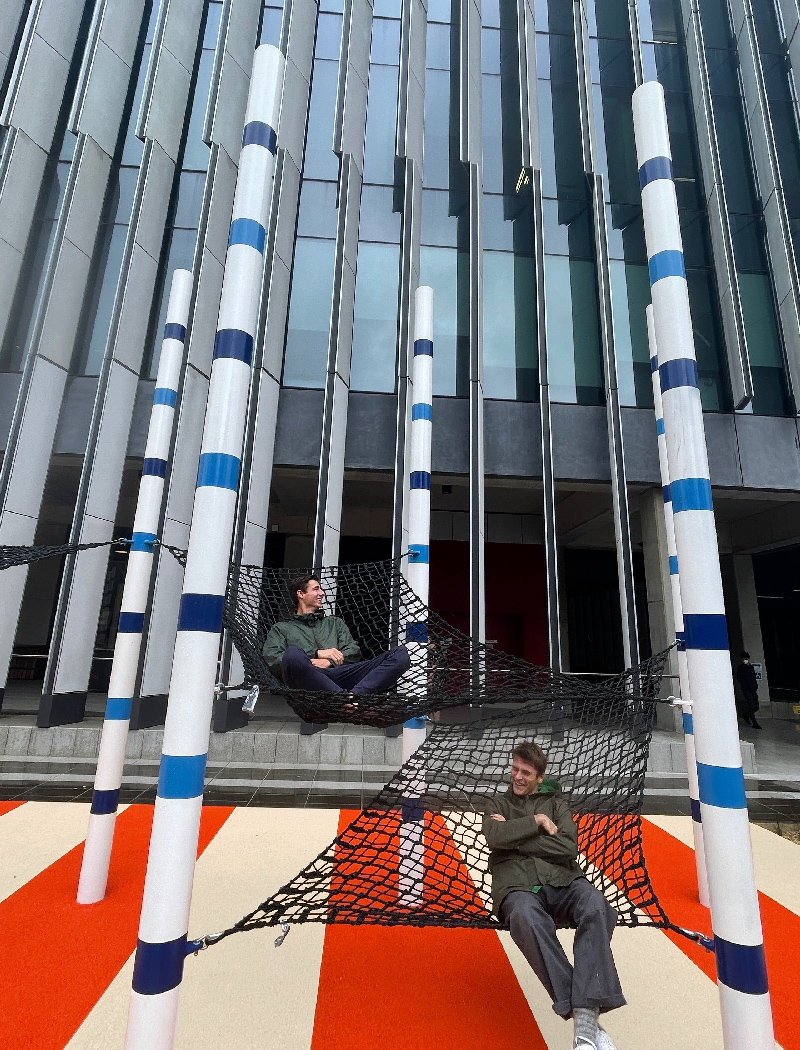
[318, 653]
[538, 884]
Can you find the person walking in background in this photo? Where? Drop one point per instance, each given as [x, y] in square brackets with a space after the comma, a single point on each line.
[748, 691]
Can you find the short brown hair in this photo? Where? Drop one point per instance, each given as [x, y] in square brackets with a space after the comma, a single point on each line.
[300, 583]
[531, 753]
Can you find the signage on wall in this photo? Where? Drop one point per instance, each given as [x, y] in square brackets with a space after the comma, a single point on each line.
[758, 668]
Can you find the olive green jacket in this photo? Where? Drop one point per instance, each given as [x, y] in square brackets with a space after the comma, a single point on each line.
[523, 855]
[310, 632]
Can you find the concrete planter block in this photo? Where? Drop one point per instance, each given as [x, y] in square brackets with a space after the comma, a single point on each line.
[394, 751]
[678, 756]
[220, 747]
[133, 745]
[63, 741]
[242, 747]
[87, 743]
[152, 740]
[264, 746]
[352, 750]
[748, 756]
[41, 742]
[308, 749]
[286, 747]
[331, 748]
[18, 740]
[3, 739]
[374, 753]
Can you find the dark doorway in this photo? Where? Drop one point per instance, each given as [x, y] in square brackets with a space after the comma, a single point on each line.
[777, 579]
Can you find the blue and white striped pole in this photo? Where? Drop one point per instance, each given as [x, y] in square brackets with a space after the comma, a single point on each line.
[677, 612]
[161, 947]
[105, 797]
[419, 495]
[735, 918]
[411, 854]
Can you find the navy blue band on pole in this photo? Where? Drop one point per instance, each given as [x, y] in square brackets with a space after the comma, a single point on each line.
[105, 801]
[741, 966]
[158, 967]
[654, 169]
[201, 612]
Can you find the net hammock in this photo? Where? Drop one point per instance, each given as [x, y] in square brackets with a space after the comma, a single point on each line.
[448, 668]
[416, 855]
[14, 557]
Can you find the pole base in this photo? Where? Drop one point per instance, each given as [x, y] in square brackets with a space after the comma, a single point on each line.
[148, 711]
[60, 709]
[228, 715]
[393, 731]
[310, 728]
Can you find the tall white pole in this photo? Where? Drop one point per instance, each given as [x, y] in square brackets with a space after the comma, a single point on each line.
[105, 797]
[677, 612]
[161, 947]
[419, 496]
[735, 918]
[412, 828]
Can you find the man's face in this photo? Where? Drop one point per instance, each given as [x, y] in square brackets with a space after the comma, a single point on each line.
[312, 598]
[524, 778]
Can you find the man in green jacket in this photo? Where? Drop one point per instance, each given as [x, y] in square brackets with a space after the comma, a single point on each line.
[316, 652]
[537, 884]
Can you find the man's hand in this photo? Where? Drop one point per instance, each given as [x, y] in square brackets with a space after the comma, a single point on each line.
[329, 654]
[324, 664]
[497, 816]
[546, 824]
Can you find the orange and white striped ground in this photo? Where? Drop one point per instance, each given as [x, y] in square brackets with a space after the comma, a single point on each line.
[66, 970]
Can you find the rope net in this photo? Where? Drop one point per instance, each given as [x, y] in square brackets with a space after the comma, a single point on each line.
[13, 557]
[416, 855]
[448, 669]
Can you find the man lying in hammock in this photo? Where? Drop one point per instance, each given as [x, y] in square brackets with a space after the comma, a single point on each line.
[537, 883]
[317, 653]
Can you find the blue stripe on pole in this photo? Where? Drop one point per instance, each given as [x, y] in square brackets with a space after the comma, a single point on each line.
[175, 331]
[705, 630]
[416, 632]
[218, 470]
[680, 638]
[249, 232]
[423, 346]
[691, 494]
[118, 708]
[414, 723]
[419, 553]
[164, 396]
[158, 967]
[688, 723]
[143, 541]
[660, 427]
[673, 565]
[104, 802]
[258, 133]
[231, 342]
[420, 479]
[153, 467]
[741, 966]
[666, 264]
[181, 776]
[721, 786]
[413, 810]
[694, 805]
[680, 372]
[130, 623]
[654, 169]
[421, 411]
[201, 612]
[665, 493]
[654, 363]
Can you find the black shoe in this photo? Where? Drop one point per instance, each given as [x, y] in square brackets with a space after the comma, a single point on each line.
[755, 725]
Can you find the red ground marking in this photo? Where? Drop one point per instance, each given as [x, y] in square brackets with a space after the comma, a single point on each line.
[6, 807]
[671, 865]
[419, 989]
[58, 957]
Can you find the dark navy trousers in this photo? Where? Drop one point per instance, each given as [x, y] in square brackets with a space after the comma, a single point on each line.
[367, 676]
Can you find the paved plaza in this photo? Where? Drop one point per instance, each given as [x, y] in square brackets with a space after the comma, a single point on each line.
[68, 968]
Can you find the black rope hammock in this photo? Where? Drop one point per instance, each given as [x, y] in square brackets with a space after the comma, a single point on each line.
[416, 855]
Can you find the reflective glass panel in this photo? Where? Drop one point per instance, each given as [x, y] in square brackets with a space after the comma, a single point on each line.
[381, 125]
[509, 327]
[375, 318]
[320, 160]
[439, 268]
[573, 333]
[307, 334]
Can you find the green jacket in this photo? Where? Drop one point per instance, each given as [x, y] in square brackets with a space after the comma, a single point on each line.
[523, 855]
[311, 632]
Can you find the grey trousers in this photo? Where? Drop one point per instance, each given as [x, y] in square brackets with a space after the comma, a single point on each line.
[532, 919]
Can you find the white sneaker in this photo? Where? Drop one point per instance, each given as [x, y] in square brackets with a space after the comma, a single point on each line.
[604, 1040]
